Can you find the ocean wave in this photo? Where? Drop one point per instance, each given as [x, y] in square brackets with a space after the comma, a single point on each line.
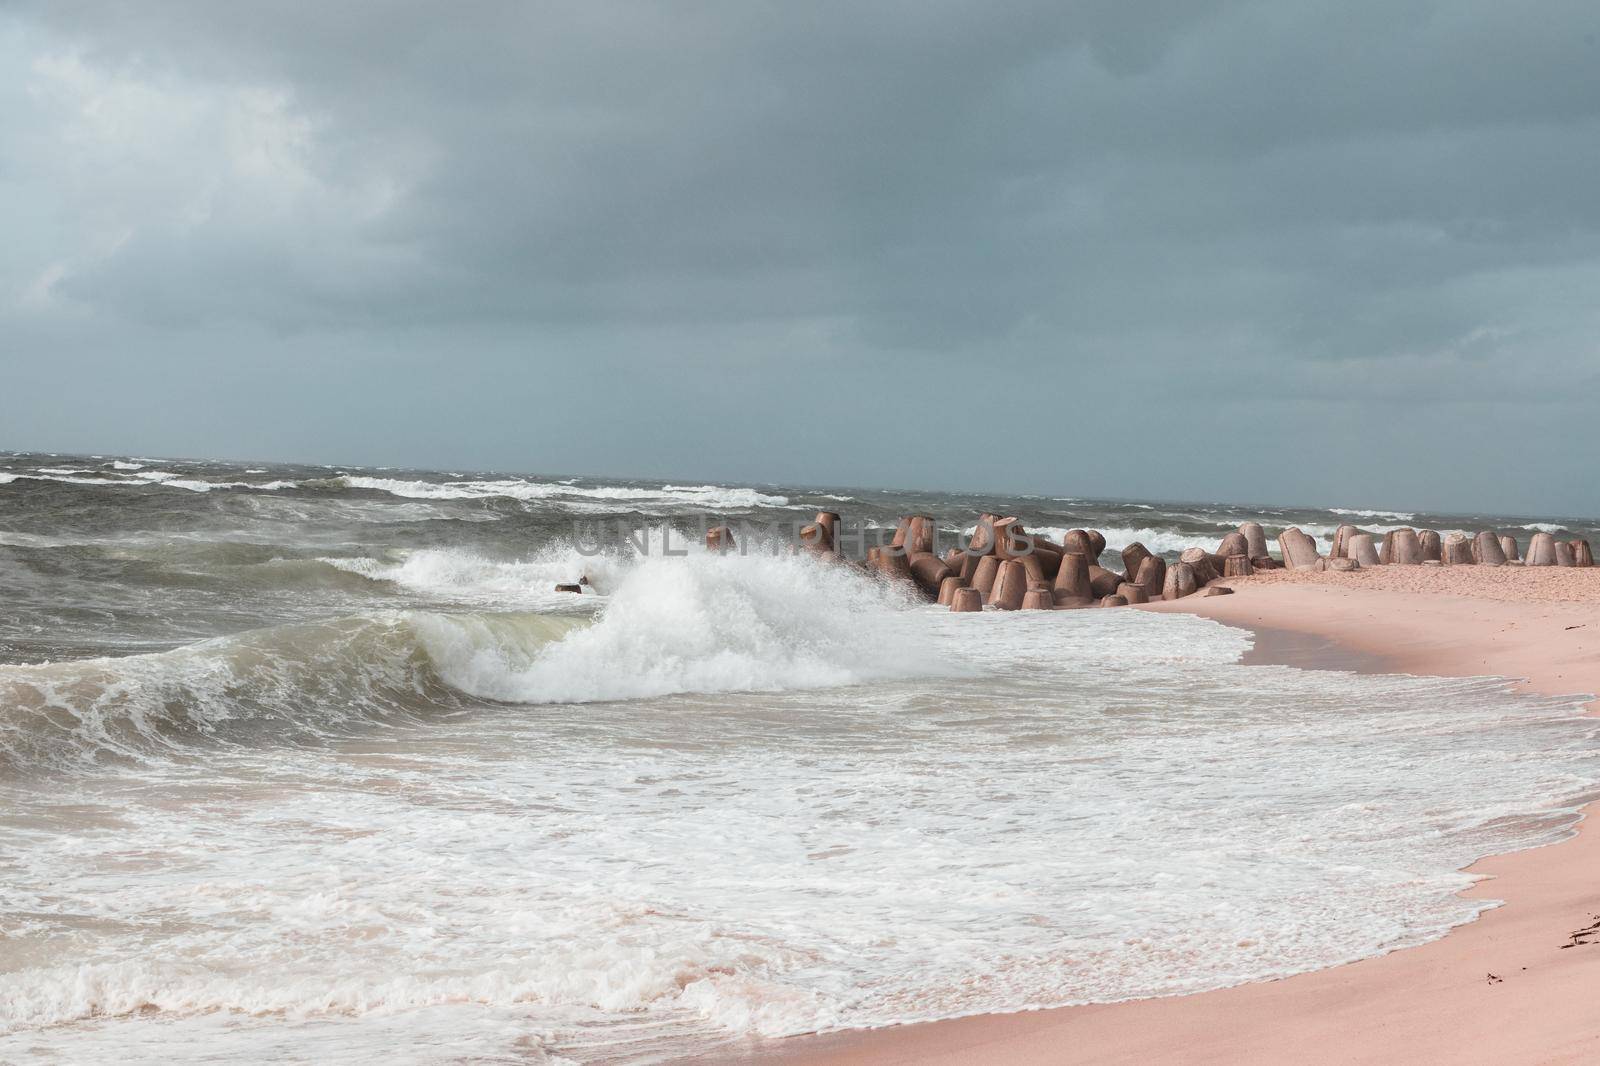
[711, 497]
[287, 683]
[1399, 516]
[457, 576]
[704, 624]
[1160, 541]
[163, 478]
[707, 623]
[74, 479]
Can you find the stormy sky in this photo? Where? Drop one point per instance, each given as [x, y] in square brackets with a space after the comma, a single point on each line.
[1340, 253]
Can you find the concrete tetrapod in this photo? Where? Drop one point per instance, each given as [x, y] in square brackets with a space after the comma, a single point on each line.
[1010, 586]
[966, 600]
[1486, 550]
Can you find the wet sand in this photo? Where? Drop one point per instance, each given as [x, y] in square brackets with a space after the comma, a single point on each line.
[1511, 988]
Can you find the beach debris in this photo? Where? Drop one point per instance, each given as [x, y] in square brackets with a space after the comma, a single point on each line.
[1584, 937]
[1495, 979]
[570, 587]
[966, 599]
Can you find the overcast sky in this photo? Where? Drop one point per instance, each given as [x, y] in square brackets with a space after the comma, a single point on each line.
[1324, 252]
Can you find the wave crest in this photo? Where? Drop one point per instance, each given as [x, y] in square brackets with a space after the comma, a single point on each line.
[703, 624]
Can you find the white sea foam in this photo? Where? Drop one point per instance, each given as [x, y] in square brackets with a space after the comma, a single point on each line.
[1399, 516]
[705, 623]
[647, 878]
[1157, 540]
[71, 478]
[164, 478]
[464, 577]
[196, 485]
[711, 497]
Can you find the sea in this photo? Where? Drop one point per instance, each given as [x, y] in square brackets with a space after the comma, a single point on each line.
[315, 764]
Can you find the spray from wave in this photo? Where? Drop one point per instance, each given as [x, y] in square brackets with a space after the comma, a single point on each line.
[705, 496]
[705, 623]
[701, 624]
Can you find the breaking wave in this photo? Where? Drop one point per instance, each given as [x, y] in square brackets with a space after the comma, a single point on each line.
[706, 496]
[699, 624]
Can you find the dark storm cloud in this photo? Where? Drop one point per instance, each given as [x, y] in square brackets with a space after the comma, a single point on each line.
[1287, 236]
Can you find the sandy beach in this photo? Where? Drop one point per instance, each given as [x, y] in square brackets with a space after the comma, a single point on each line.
[1514, 987]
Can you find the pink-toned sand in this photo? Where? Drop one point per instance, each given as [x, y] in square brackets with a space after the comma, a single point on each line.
[1430, 1004]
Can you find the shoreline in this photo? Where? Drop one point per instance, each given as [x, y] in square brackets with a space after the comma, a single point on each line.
[1434, 1002]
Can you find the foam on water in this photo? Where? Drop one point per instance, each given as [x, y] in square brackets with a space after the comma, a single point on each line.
[1399, 516]
[686, 496]
[705, 624]
[467, 577]
[912, 815]
[403, 801]
[1160, 541]
[164, 478]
